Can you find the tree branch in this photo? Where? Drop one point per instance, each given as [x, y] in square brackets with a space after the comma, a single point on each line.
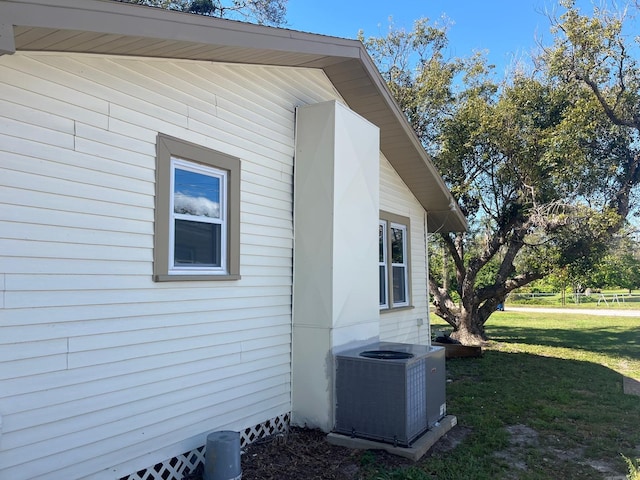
[443, 304]
[609, 112]
[452, 248]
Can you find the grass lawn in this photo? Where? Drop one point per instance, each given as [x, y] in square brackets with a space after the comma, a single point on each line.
[544, 402]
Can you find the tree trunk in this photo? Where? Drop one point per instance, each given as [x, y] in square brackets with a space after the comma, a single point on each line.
[468, 331]
[445, 269]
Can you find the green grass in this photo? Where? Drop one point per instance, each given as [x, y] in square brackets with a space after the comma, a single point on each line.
[613, 342]
[557, 376]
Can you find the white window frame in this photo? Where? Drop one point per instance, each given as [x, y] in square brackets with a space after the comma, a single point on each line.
[404, 265]
[221, 175]
[384, 288]
[391, 221]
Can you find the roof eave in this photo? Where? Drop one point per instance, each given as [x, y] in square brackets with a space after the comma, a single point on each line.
[213, 39]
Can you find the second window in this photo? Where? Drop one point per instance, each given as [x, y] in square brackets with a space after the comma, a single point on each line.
[394, 256]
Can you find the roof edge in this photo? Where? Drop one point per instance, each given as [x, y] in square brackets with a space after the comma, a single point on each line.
[113, 17]
[268, 45]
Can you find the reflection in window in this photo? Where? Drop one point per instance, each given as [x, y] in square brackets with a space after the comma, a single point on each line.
[399, 285]
[198, 223]
[196, 194]
[197, 244]
[397, 244]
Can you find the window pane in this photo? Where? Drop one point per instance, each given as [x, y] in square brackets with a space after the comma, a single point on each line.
[383, 284]
[397, 245]
[381, 248]
[197, 244]
[196, 194]
[399, 285]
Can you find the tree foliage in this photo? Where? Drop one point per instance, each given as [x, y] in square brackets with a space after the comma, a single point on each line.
[263, 12]
[499, 152]
[419, 75]
[595, 53]
[620, 267]
[543, 167]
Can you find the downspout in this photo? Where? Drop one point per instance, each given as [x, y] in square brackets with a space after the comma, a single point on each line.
[293, 249]
[7, 39]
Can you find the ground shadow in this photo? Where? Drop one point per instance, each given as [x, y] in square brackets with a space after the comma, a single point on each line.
[610, 340]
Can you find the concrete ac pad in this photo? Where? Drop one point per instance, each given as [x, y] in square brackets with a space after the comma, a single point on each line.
[419, 447]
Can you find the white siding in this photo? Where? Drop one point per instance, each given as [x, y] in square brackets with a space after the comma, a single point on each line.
[402, 325]
[103, 371]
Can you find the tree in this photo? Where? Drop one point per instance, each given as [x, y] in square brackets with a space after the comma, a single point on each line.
[620, 267]
[527, 206]
[263, 12]
[420, 77]
[595, 53]
[529, 160]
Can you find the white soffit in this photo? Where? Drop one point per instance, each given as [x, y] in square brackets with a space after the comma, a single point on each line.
[115, 28]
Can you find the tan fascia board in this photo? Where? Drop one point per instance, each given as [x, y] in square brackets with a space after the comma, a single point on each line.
[114, 18]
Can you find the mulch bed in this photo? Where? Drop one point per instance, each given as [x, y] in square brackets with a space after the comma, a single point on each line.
[306, 454]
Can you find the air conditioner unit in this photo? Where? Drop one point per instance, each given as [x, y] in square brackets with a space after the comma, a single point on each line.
[390, 392]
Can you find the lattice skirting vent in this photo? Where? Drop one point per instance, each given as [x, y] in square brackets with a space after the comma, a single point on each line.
[183, 466]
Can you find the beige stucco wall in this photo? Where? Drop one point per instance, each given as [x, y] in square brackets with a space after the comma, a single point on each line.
[335, 255]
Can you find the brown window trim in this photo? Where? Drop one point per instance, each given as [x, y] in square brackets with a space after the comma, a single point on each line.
[167, 147]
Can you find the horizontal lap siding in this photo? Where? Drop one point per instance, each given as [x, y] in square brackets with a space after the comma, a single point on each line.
[395, 197]
[103, 371]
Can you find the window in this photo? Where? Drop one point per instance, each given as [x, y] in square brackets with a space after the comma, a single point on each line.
[393, 261]
[197, 215]
[198, 221]
[382, 264]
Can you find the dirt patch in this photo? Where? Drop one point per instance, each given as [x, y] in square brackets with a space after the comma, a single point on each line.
[631, 386]
[521, 438]
[524, 440]
[521, 435]
[449, 440]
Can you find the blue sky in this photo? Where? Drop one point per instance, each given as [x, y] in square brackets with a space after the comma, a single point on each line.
[506, 28]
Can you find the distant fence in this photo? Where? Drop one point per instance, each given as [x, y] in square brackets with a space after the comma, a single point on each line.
[535, 294]
[613, 298]
[607, 299]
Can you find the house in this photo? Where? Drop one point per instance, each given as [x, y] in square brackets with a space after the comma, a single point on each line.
[195, 214]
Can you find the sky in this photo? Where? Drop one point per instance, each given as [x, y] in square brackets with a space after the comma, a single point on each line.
[506, 28]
